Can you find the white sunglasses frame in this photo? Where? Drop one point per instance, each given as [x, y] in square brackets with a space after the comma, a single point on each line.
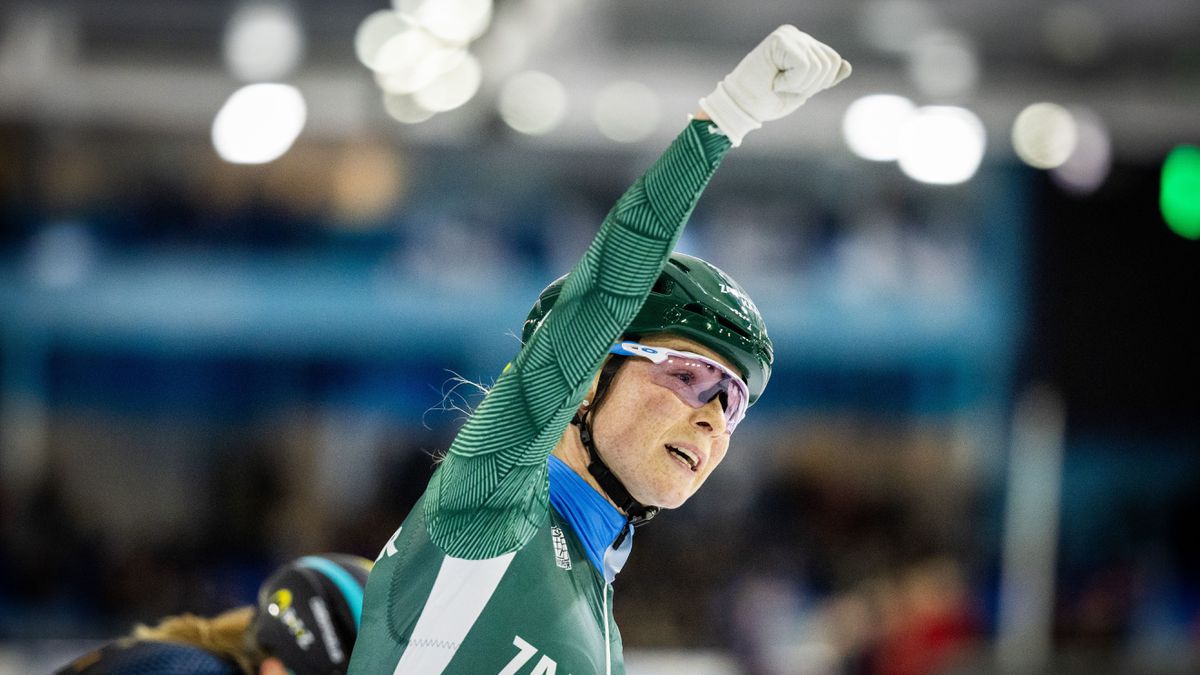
[659, 355]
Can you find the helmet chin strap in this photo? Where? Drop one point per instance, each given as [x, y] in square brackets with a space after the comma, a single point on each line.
[613, 487]
[637, 512]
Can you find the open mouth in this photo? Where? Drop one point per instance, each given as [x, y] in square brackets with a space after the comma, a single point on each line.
[684, 457]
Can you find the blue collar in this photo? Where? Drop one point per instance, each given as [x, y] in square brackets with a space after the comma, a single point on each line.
[595, 521]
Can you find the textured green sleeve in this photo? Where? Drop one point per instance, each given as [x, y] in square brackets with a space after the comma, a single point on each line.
[491, 492]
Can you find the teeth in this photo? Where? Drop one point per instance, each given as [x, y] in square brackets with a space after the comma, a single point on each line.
[691, 461]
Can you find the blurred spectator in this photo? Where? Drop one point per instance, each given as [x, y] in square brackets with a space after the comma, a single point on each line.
[928, 624]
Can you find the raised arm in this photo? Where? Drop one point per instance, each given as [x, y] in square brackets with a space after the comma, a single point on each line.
[490, 494]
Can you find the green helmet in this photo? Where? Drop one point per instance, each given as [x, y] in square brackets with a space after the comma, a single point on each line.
[696, 300]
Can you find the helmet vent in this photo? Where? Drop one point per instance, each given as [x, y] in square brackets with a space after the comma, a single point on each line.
[697, 308]
[733, 327]
[663, 286]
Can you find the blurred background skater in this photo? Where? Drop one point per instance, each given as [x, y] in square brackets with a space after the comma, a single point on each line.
[305, 623]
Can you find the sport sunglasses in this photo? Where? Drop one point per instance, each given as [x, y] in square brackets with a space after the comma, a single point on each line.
[695, 379]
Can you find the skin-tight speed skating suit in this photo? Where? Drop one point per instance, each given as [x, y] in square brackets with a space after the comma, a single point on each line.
[505, 564]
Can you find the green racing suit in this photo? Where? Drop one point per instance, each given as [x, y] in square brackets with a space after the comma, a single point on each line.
[505, 564]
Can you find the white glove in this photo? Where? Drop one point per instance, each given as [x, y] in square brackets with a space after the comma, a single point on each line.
[774, 79]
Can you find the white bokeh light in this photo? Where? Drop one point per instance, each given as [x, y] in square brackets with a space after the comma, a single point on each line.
[942, 145]
[374, 31]
[453, 88]
[258, 123]
[533, 103]
[871, 126]
[413, 59]
[456, 21]
[404, 108]
[1044, 135]
[626, 111]
[263, 41]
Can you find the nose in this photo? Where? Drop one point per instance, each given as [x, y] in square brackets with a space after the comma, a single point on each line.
[710, 417]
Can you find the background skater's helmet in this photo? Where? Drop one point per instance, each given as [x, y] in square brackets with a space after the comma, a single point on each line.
[696, 300]
[309, 611]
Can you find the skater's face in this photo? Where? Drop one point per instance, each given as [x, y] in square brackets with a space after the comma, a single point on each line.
[661, 447]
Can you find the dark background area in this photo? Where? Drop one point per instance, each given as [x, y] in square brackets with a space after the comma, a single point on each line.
[1115, 295]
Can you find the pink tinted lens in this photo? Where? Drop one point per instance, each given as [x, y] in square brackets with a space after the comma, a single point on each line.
[697, 382]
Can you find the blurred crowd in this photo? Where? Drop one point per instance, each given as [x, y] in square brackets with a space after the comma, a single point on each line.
[832, 545]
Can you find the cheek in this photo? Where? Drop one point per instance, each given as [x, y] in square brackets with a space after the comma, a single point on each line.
[642, 430]
[715, 458]
[718, 454]
[644, 409]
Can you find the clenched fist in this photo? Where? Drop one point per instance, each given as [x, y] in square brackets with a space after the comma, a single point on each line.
[774, 79]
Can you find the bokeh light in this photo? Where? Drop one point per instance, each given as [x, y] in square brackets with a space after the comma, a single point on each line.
[456, 21]
[871, 126]
[414, 65]
[375, 31]
[453, 88]
[368, 179]
[413, 59]
[533, 103]
[1088, 166]
[404, 108]
[1044, 135]
[263, 41]
[627, 111]
[942, 145]
[258, 123]
[1179, 195]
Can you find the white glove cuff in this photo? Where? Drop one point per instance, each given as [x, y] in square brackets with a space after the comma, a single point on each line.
[728, 115]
